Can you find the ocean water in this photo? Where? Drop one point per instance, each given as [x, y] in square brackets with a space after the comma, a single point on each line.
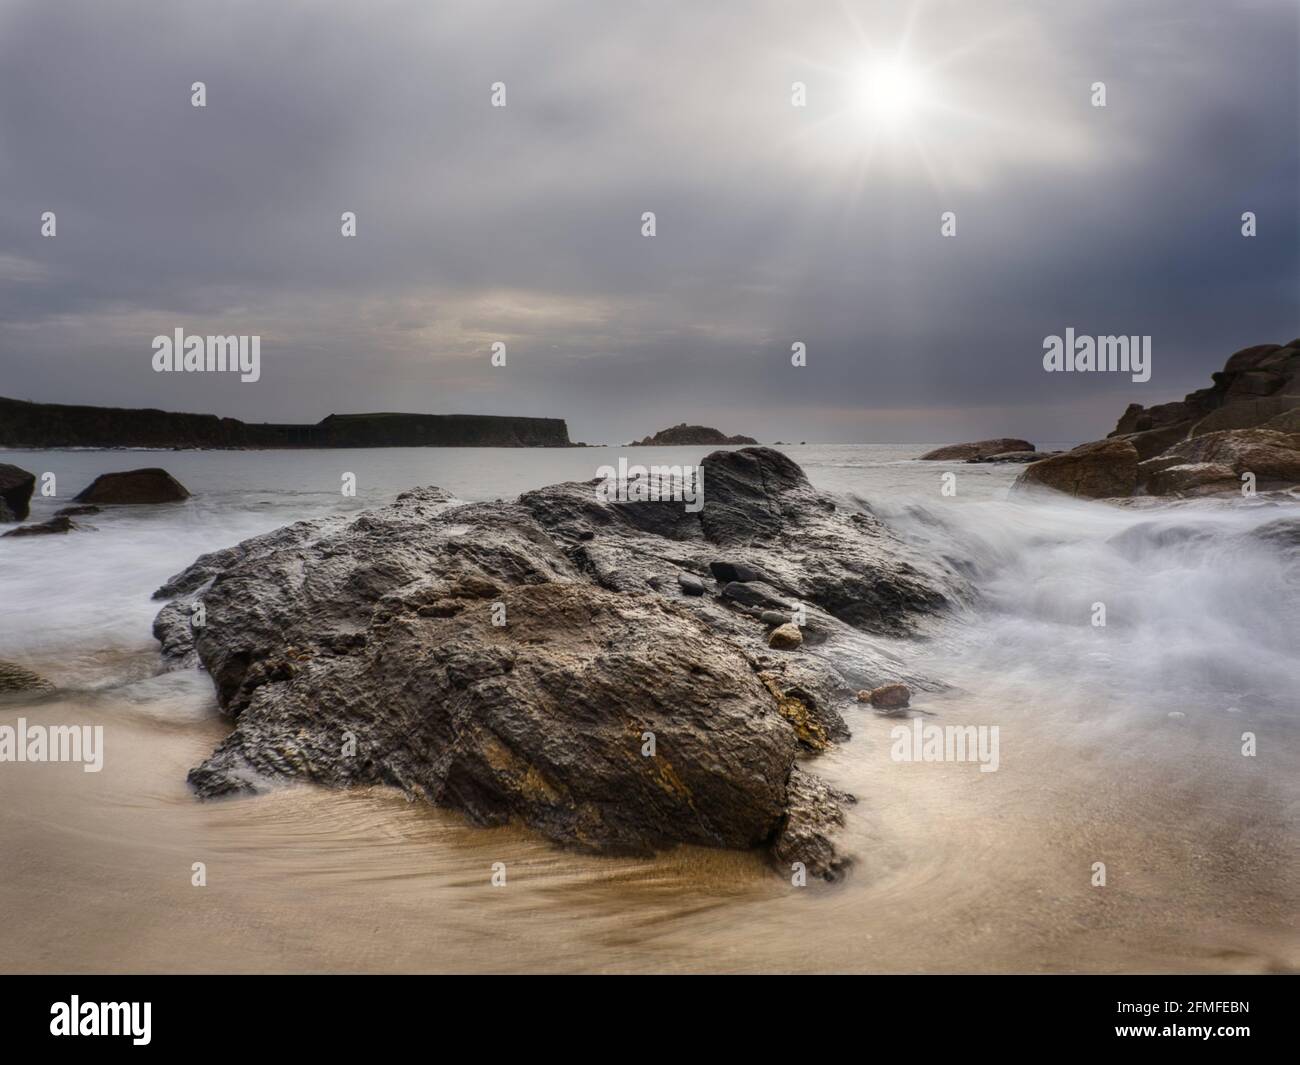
[1120, 744]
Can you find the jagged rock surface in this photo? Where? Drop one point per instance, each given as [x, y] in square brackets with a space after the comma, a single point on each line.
[513, 660]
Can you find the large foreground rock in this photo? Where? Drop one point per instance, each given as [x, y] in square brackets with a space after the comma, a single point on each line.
[134, 486]
[543, 662]
[978, 451]
[16, 486]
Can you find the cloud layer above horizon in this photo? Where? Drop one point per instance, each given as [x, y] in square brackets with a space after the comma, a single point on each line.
[522, 224]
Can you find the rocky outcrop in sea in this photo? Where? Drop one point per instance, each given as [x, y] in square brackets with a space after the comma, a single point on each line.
[692, 435]
[1002, 449]
[1246, 426]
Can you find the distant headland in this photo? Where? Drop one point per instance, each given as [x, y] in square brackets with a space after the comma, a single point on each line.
[46, 425]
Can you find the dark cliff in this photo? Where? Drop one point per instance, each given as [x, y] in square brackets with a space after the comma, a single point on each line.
[41, 425]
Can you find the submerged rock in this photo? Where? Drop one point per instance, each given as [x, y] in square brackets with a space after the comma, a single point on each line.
[133, 486]
[1283, 534]
[60, 523]
[500, 659]
[16, 678]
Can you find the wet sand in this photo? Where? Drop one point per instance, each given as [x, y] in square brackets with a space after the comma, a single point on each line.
[956, 871]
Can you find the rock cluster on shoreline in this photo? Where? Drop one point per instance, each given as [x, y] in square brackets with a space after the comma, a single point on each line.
[125, 488]
[1247, 423]
[599, 671]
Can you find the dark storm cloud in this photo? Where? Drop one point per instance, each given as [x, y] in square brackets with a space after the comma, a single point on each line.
[776, 224]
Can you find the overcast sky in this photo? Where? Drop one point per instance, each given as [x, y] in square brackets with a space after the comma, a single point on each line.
[775, 223]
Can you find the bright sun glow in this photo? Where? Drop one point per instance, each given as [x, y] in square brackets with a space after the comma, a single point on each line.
[890, 92]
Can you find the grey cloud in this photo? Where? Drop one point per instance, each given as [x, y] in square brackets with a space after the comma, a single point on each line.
[775, 224]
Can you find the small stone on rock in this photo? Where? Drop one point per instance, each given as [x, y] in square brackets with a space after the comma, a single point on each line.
[785, 637]
[726, 572]
[690, 584]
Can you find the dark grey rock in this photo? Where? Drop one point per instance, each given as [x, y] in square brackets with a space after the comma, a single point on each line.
[726, 572]
[16, 487]
[45, 528]
[691, 584]
[754, 595]
[383, 627]
[151, 485]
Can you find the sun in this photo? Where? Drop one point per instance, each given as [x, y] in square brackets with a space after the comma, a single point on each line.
[890, 92]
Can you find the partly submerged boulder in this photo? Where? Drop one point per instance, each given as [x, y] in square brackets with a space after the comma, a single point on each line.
[16, 486]
[538, 662]
[978, 451]
[134, 486]
[60, 523]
